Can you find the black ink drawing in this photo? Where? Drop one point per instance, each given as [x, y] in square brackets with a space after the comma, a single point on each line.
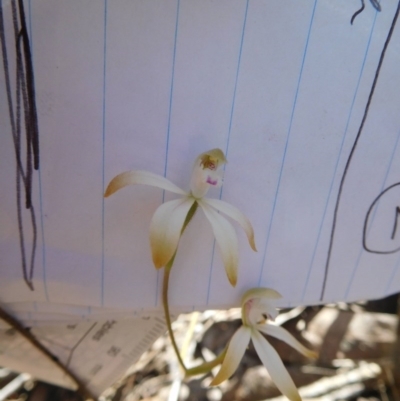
[342, 181]
[391, 240]
[24, 104]
[374, 3]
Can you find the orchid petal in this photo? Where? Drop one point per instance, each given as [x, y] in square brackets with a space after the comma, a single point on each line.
[141, 177]
[235, 214]
[283, 335]
[236, 349]
[165, 229]
[227, 241]
[271, 360]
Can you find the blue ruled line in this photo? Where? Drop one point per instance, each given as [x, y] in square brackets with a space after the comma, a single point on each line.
[229, 135]
[287, 140]
[171, 93]
[103, 149]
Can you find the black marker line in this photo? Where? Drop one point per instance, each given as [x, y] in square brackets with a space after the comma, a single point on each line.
[377, 72]
[24, 91]
[8, 90]
[374, 3]
[33, 127]
[18, 178]
[357, 264]
[28, 90]
[358, 12]
[396, 218]
[365, 228]
[16, 142]
[23, 87]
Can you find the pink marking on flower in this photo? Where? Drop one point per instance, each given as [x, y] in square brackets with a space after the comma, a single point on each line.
[211, 181]
[248, 306]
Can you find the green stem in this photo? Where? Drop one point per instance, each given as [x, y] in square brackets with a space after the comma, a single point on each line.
[189, 216]
[207, 366]
[204, 367]
[167, 272]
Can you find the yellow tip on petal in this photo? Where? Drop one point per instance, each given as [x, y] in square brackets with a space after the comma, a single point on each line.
[118, 182]
[253, 243]
[232, 279]
[158, 262]
[235, 214]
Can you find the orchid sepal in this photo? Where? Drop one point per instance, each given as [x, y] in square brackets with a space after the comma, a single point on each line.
[236, 349]
[273, 330]
[276, 369]
[226, 238]
[166, 228]
[235, 214]
[143, 177]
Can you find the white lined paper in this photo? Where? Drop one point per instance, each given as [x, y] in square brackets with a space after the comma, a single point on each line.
[144, 85]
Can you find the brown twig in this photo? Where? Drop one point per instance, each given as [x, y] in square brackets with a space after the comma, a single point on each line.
[15, 324]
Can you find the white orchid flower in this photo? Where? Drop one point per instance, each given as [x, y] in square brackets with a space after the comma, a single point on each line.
[168, 220]
[256, 303]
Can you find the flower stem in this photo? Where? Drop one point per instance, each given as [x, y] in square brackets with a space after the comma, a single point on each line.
[189, 216]
[167, 271]
[202, 368]
[207, 366]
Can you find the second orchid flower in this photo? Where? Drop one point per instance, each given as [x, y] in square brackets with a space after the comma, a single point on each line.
[256, 304]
